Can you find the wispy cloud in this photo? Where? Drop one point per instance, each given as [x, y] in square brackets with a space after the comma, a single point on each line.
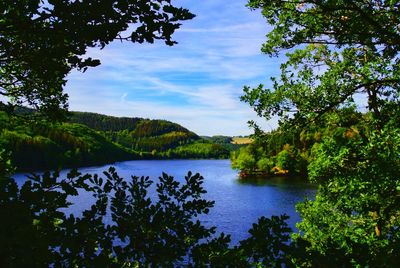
[196, 83]
[234, 28]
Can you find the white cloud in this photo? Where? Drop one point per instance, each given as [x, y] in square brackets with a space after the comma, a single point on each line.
[196, 83]
[235, 28]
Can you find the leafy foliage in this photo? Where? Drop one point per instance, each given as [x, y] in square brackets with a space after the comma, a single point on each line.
[340, 51]
[42, 41]
[268, 245]
[142, 231]
[358, 193]
[163, 231]
[287, 151]
[5, 164]
[348, 48]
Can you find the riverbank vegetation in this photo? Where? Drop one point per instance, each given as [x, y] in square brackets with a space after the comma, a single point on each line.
[340, 54]
[288, 151]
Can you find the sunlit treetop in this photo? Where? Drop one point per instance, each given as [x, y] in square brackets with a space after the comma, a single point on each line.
[42, 41]
[335, 50]
[373, 24]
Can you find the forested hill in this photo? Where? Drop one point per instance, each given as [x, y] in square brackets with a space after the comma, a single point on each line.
[43, 145]
[104, 122]
[139, 134]
[95, 139]
[138, 127]
[151, 128]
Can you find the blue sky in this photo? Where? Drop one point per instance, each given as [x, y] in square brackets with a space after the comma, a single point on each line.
[196, 83]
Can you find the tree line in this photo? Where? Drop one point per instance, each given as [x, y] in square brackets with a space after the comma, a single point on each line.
[41, 144]
[289, 151]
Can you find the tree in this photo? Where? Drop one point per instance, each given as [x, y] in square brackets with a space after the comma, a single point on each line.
[339, 51]
[142, 231]
[350, 47]
[285, 160]
[42, 41]
[245, 159]
[5, 164]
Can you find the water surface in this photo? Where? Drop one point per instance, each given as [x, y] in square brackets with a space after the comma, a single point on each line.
[238, 203]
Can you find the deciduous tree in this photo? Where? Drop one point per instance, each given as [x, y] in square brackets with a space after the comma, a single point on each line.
[341, 53]
[41, 41]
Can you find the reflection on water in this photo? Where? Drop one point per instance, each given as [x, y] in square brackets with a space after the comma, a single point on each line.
[277, 181]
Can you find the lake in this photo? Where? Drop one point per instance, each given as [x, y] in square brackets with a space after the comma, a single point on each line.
[238, 203]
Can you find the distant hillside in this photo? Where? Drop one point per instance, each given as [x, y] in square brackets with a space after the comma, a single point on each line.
[226, 142]
[138, 134]
[44, 145]
[151, 128]
[104, 122]
[95, 139]
[242, 140]
[219, 139]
